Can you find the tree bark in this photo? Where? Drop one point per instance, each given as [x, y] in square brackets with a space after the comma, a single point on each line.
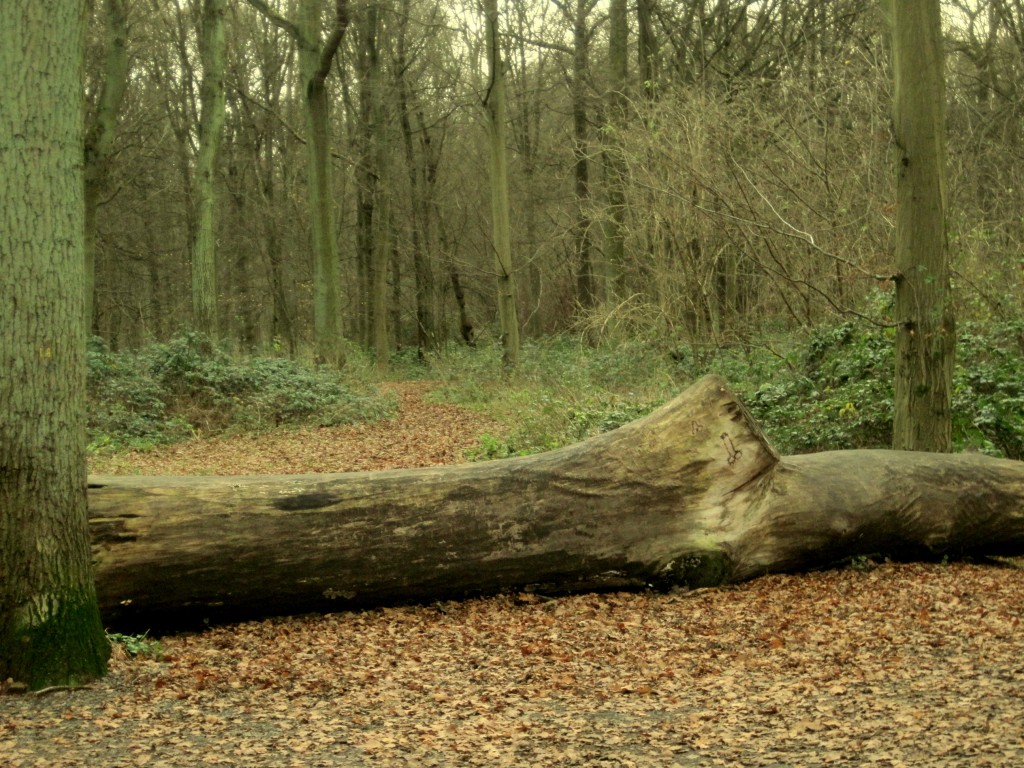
[612, 153]
[495, 102]
[420, 190]
[211, 129]
[583, 242]
[926, 333]
[374, 237]
[99, 138]
[689, 495]
[315, 60]
[50, 631]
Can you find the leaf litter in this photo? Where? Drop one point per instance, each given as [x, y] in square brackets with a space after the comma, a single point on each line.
[902, 665]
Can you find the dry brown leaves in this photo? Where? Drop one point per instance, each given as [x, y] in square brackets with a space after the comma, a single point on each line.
[906, 665]
[421, 434]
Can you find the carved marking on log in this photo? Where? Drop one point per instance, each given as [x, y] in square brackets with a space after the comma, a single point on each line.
[733, 452]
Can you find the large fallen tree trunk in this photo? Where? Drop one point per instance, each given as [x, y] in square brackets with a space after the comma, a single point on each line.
[691, 494]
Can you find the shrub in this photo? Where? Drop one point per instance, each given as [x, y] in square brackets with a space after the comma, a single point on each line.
[839, 394]
[169, 391]
[988, 392]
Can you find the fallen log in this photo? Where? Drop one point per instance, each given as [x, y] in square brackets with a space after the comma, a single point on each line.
[692, 494]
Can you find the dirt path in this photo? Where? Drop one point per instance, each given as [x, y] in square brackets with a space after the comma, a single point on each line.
[901, 665]
[421, 434]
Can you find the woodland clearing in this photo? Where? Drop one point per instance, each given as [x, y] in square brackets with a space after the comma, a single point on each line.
[875, 664]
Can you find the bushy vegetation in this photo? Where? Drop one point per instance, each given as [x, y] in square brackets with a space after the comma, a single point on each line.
[829, 391]
[834, 391]
[168, 392]
[837, 393]
[563, 391]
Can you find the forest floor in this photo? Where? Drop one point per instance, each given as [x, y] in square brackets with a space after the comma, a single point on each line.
[894, 665]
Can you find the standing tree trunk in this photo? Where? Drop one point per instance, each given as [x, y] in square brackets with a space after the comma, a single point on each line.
[211, 129]
[646, 47]
[502, 243]
[373, 216]
[926, 335]
[282, 327]
[419, 221]
[99, 138]
[614, 165]
[315, 64]
[585, 288]
[532, 66]
[50, 630]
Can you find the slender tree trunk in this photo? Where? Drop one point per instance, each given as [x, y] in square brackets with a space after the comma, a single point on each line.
[646, 48]
[374, 220]
[502, 242]
[467, 328]
[315, 61]
[50, 630]
[99, 138]
[382, 260]
[367, 176]
[282, 327]
[426, 309]
[926, 335]
[433, 242]
[614, 167]
[585, 289]
[314, 64]
[211, 130]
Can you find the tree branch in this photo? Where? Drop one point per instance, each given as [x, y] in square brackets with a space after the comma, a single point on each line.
[341, 21]
[279, 21]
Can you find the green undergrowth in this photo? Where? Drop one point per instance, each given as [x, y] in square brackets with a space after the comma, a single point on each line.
[835, 391]
[171, 391]
[138, 646]
[561, 393]
[828, 390]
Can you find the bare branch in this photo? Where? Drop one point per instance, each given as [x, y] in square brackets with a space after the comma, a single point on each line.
[279, 21]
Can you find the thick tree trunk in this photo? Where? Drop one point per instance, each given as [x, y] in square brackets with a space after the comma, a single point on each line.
[50, 631]
[691, 494]
[926, 328]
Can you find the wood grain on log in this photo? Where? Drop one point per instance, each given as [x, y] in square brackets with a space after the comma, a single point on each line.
[691, 494]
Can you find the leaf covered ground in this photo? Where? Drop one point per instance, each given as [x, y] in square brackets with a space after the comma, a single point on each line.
[899, 665]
